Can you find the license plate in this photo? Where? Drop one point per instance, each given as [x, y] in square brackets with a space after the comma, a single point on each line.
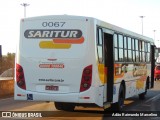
[53, 88]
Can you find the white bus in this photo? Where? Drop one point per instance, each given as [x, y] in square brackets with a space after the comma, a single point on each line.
[75, 61]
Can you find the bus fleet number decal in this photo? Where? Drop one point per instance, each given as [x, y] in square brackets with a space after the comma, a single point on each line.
[53, 24]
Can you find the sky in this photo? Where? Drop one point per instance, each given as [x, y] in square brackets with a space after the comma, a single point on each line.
[123, 13]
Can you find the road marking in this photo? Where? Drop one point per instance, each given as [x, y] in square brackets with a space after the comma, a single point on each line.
[155, 97]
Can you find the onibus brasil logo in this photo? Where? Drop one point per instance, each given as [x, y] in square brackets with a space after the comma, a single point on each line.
[55, 39]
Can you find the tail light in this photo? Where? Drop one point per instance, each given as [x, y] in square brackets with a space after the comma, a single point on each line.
[86, 79]
[20, 77]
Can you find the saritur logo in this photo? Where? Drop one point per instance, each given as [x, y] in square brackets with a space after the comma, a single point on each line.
[61, 39]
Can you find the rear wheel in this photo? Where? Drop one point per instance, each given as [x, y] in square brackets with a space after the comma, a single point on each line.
[64, 106]
[118, 105]
[142, 95]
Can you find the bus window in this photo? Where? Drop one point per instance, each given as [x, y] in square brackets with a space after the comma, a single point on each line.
[143, 47]
[140, 56]
[143, 56]
[125, 55]
[129, 43]
[129, 50]
[140, 45]
[116, 47]
[148, 52]
[136, 44]
[100, 53]
[120, 41]
[115, 40]
[149, 47]
[137, 56]
[116, 54]
[99, 36]
[129, 56]
[121, 55]
[133, 47]
[148, 57]
[99, 46]
[125, 49]
[125, 43]
[133, 50]
[134, 54]
[120, 45]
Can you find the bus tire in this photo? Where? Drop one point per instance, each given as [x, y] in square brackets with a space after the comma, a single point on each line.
[119, 105]
[142, 96]
[64, 106]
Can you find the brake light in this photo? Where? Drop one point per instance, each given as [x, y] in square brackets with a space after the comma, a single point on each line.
[86, 79]
[20, 79]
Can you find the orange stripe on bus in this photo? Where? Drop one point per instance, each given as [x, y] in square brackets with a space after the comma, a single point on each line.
[71, 41]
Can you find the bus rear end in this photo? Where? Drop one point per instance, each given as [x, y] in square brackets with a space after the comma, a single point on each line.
[52, 62]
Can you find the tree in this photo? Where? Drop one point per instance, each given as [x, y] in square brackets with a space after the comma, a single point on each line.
[7, 62]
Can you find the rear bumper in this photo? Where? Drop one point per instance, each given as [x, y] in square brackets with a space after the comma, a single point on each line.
[34, 96]
[88, 96]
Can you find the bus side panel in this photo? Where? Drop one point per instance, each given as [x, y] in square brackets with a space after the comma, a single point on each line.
[134, 75]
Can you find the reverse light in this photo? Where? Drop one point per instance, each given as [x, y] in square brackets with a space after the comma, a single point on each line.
[85, 85]
[86, 79]
[20, 77]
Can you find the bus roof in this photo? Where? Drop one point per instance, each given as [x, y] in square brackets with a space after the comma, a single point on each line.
[123, 31]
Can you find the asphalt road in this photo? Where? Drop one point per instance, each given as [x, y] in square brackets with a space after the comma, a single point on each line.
[133, 105]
